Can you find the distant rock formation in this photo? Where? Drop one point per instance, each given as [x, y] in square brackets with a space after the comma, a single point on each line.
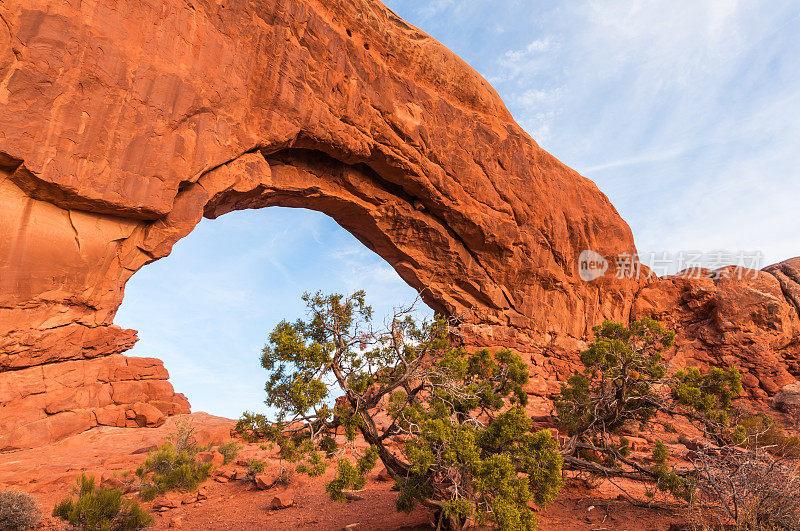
[125, 122]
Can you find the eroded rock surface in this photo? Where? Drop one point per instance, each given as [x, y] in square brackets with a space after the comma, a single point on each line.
[125, 122]
[732, 317]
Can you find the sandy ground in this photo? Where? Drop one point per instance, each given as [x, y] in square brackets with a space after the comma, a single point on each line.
[49, 472]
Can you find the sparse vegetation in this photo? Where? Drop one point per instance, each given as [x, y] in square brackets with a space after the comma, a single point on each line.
[745, 489]
[461, 442]
[761, 431]
[172, 466]
[255, 466]
[625, 387]
[18, 510]
[743, 472]
[100, 508]
[229, 451]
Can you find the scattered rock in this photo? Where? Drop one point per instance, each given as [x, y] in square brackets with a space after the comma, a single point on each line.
[352, 495]
[228, 473]
[638, 444]
[384, 475]
[189, 498]
[691, 444]
[170, 500]
[214, 457]
[281, 501]
[266, 480]
[176, 522]
[787, 398]
[202, 493]
[351, 527]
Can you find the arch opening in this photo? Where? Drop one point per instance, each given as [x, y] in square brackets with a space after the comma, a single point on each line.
[207, 309]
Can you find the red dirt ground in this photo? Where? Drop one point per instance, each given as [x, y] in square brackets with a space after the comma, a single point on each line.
[49, 472]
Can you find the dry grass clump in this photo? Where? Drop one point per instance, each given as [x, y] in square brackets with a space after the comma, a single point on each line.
[18, 510]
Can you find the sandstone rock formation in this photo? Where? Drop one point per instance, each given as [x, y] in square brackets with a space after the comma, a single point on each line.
[125, 122]
[732, 317]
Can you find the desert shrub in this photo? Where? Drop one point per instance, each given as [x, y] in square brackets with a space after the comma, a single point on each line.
[167, 468]
[100, 508]
[464, 445]
[761, 431]
[624, 387]
[229, 451]
[255, 466]
[18, 510]
[745, 490]
[254, 427]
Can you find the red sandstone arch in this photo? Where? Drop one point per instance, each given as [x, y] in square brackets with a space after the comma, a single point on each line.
[125, 121]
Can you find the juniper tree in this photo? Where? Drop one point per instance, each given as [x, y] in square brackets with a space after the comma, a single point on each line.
[456, 439]
[625, 386]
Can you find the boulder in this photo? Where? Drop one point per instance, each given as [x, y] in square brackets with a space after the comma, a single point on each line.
[266, 480]
[147, 415]
[787, 399]
[213, 457]
[282, 501]
[170, 500]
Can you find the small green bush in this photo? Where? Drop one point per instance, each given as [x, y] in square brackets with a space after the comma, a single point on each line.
[18, 510]
[256, 466]
[101, 508]
[229, 451]
[169, 469]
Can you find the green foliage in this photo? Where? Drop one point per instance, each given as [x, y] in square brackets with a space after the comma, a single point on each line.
[313, 465]
[229, 451]
[616, 386]
[466, 445]
[255, 426]
[255, 466]
[101, 508]
[167, 469]
[623, 387]
[660, 452]
[708, 395]
[18, 510]
[348, 477]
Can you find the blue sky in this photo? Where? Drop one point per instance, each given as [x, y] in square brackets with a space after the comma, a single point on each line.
[685, 113]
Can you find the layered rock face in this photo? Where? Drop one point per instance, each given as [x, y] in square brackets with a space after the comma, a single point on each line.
[732, 317]
[124, 122]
